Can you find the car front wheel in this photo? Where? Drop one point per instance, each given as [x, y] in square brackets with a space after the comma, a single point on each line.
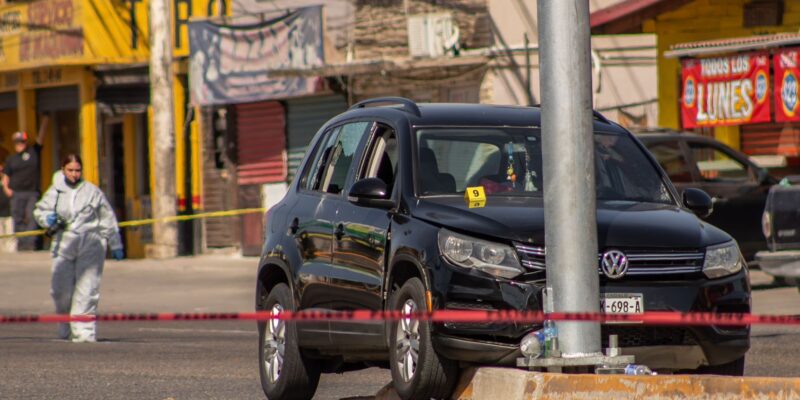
[418, 372]
[285, 373]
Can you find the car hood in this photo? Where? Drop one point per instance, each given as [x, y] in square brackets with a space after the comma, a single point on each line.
[623, 224]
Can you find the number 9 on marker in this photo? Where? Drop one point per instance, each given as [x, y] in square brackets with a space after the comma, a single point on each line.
[475, 196]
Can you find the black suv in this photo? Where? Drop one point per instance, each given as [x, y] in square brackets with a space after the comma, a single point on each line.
[376, 219]
[737, 185]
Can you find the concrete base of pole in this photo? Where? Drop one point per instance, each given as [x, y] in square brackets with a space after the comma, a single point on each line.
[160, 251]
[555, 364]
[509, 383]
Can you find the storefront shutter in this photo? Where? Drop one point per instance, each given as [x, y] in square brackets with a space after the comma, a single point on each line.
[261, 142]
[771, 139]
[57, 99]
[8, 101]
[305, 117]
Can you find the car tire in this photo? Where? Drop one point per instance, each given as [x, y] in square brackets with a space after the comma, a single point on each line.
[286, 375]
[430, 376]
[733, 368]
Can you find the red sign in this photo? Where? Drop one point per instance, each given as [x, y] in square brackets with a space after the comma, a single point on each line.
[787, 73]
[725, 90]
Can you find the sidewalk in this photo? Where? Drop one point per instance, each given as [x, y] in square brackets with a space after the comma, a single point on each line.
[206, 283]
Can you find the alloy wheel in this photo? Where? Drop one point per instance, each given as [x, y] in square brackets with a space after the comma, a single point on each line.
[407, 343]
[274, 345]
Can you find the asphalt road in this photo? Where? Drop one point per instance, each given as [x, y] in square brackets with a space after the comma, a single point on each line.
[208, 359]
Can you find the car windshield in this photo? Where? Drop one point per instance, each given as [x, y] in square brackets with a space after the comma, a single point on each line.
[508, 161]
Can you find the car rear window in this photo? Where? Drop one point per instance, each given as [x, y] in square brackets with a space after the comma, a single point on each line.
[508, 161]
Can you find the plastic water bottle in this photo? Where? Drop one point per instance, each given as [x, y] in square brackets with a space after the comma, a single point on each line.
[637, 369]
[550, 337]
[532, 344]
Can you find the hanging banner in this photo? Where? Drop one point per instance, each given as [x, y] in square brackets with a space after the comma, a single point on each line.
[787, 73]
[726, 90]
[231, 63]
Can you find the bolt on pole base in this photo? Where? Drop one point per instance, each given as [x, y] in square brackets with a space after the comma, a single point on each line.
[556, 364]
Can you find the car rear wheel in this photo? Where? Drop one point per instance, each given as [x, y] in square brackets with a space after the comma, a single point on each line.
[418, 372]
[733, 368]
[285, 373]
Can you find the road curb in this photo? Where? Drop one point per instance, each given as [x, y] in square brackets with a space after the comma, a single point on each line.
[508, 383]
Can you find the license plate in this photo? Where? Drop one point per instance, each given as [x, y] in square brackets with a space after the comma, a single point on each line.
[621, 303]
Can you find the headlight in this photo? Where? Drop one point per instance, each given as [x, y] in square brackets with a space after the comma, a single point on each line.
[492, 258]
[722, 260]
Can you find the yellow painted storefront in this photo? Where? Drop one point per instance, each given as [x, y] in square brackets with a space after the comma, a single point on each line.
[698, 21]
[61, 44]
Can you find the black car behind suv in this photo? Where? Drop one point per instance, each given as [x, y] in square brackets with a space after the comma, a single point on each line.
[376, 219]
[736, 184]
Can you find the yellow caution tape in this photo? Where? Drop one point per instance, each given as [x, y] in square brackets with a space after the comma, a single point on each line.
[149, 221]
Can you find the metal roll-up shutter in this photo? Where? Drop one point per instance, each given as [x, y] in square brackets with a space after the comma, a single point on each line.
[123, 99]
[771, 139]
[261, 138]
[8, 101]
[57, 99]
[305, 116]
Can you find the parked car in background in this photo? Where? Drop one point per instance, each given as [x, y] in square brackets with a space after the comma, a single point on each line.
[737, 186]
[781, 227]
[377, 219]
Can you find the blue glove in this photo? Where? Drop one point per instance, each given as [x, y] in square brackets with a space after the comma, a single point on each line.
[51, 219]
[117, 254]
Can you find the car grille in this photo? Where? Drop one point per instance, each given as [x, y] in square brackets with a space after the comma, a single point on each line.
[641, 263]
[636, 336]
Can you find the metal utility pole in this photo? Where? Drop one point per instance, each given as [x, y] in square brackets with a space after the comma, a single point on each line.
[569, 182]
[163, 197]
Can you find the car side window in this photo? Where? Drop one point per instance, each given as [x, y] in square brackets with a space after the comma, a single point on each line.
[313, 172]
[673, 161]
[341, 157]
[716, 165]
[380, 160]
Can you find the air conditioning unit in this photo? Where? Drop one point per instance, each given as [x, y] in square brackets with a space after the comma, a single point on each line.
[431, 35]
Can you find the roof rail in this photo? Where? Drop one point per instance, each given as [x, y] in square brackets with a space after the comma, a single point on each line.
[600, 117]
[408, 105]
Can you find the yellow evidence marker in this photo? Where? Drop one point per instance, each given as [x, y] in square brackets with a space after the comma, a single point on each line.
[475, 197]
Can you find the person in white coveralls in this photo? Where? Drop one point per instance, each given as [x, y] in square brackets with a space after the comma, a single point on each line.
[82, 223]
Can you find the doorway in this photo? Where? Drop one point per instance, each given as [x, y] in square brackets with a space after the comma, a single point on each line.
[112, 180]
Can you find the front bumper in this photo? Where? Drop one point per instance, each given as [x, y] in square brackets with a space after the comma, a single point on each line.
[497, 343]
[782, 263]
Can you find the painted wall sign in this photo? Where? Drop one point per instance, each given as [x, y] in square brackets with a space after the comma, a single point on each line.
[230, 64]
[787, 73]
[726, 90]
[41, 31]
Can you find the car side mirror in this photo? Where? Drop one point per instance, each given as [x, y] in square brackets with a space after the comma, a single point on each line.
[762, 176]
[370, 192]
[698, 201]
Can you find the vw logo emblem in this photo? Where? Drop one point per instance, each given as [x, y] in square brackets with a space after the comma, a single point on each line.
[614, 264]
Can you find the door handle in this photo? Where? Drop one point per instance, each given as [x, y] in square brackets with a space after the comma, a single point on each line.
[295, 226]
[339, 232]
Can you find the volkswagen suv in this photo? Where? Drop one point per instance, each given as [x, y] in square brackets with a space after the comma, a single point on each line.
[376, 219]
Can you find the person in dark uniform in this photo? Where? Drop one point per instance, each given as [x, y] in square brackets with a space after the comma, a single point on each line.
[21, 183]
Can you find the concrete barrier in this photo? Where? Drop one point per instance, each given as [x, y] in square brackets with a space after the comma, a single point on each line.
[512, 384]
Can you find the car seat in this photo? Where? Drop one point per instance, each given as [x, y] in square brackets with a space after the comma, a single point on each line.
[386, 173]
[431, 180]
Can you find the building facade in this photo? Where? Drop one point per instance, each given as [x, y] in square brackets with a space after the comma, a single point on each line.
[725, 69]
[84, 63]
